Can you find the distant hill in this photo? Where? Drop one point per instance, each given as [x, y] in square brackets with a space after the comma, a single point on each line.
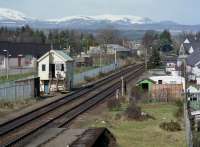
[13, 18]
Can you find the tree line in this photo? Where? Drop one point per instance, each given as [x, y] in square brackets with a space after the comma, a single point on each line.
[156, 43]
[77, 40]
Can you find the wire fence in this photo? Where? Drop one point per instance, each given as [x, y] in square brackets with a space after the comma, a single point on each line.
[189, 135]
[15, 71]
[79, 78]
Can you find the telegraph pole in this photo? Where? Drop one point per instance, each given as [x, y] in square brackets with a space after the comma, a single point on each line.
[145, 58]
[122, 79]
[7, 56]
[115, 58]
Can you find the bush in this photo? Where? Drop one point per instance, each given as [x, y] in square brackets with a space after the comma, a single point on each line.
[137, 93]
[133, 112]
[179, 112]
[89, 79]
[101, 74]
[118, 116]
[113, 104]
[170, 126]
[122, 99]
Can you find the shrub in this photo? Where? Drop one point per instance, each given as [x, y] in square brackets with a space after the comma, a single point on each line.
[118, 116]
[122, 99]
[133, 112]
[170, 126]
[137, 93]
[113, 104]
[101, 74]
[179, 103]
[89, 79]
[179, 112]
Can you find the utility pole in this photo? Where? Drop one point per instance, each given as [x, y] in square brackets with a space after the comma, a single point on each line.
[100, 61]
[145, 58]
[115, 58]
[7, 56]
[122, 79]
[186, 78]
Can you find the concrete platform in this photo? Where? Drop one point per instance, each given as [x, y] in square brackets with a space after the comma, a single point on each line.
[56, 137]
[62, 137]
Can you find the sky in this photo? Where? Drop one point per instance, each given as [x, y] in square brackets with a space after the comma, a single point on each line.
[181, 11]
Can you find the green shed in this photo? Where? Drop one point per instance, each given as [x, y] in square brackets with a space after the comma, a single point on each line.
[145, 84]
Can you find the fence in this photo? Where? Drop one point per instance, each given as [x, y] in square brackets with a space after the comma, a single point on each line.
[14, 71]
[189, 136]
[79, 78]
[27, 88]
[24, 89]
[167, 92]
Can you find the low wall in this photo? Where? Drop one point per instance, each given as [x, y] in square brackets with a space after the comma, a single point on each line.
[80, 78]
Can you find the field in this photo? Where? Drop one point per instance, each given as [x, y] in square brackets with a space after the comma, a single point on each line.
[139, 133]
[4, 79]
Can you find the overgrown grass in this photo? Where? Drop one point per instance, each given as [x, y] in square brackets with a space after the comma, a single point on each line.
[4, 79]
[130, 133]
[84, 68]
[7, 107]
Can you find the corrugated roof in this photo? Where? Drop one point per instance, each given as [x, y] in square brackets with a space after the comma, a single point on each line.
[64, 54]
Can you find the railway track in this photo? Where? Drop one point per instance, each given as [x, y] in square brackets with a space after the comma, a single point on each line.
[62, 111]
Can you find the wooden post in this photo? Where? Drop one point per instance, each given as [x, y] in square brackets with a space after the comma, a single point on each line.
[117, 94]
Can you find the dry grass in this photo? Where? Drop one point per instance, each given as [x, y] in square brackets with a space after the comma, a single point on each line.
[140, 133]
[8, 107]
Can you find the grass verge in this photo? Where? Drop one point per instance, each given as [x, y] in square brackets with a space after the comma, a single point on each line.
[4, 79]
[140, 133]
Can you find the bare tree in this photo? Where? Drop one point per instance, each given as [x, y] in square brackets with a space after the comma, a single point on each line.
[108, 36]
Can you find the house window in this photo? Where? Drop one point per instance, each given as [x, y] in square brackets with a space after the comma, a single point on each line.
[43, 67]
[159, 81]
[62, 67]
[58, 67]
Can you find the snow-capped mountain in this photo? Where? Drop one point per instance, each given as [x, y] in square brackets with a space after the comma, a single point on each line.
[109, 18]
[12, 15]
[13, 18]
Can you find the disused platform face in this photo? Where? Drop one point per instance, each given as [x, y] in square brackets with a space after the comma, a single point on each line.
[95, 137]
[62, 137]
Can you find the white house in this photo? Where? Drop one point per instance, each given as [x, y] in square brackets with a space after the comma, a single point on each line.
[169, 80]
[193, 67]
[55, 69]
[170, 67]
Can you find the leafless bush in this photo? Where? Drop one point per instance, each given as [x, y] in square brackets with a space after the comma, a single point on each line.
[101, 74]
[179, 112]
[133, 112]
[171, 126]
[118, 116]
[113, 104]
[89, 79]
[137, 93]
